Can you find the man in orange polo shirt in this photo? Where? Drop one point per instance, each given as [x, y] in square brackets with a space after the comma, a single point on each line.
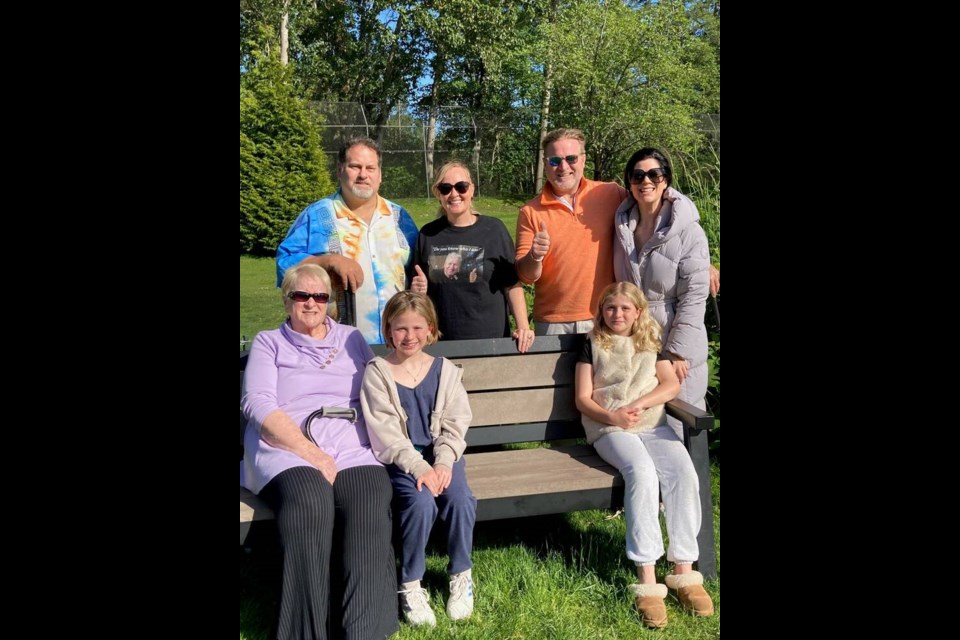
[565, 238]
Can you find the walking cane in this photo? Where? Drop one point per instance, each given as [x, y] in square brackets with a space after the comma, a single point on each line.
[348, 310]
[346, 413]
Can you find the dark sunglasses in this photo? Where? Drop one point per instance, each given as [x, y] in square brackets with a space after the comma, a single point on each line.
[656, 175]
[555, 160]
[445, 187]
[303, 296]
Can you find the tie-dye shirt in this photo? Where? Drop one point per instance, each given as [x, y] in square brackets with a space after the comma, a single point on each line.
[383, 249]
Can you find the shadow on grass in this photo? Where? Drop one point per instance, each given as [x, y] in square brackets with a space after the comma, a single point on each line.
[260, 576]
[588, 542]
[585, 541]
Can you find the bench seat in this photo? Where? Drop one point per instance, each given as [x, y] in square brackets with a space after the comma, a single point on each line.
[530, 398]
[511, 484]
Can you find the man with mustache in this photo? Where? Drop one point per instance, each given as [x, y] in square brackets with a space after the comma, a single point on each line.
[360, 238]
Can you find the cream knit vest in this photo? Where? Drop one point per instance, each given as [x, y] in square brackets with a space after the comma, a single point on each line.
[621, 376]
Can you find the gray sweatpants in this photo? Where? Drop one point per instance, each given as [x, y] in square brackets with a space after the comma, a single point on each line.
[648, 461]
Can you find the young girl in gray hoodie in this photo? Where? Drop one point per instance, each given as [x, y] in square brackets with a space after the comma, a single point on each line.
[417, 416]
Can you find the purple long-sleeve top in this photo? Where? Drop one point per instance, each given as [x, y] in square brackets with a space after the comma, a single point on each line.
[298, 374]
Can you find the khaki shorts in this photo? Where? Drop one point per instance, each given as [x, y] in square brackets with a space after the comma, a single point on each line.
[542, 328]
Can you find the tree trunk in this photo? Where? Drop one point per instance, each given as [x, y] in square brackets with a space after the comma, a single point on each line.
[476, 162]
[545, 111]
[383, 112]
[388, 73]
[285, 34]
[544, 120]
[432, 121]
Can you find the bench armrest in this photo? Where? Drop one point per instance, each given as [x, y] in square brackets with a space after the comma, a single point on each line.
[693, 417]
[695, 423]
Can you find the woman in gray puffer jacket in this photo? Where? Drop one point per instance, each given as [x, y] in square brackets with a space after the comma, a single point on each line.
[662, 249]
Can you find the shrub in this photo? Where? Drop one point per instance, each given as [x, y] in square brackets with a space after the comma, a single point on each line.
[282, 166]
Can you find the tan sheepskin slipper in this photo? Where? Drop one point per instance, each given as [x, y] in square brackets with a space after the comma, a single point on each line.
[650, 604]
[690, 592]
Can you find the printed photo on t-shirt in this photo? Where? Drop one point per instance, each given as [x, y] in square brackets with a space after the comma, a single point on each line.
[455, 263]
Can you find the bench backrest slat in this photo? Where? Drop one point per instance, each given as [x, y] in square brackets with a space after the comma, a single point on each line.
[524, 405]
[532, 370]
[517, 397]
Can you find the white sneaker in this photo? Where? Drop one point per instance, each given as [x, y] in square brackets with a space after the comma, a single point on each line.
[416, 607]
[460, 604]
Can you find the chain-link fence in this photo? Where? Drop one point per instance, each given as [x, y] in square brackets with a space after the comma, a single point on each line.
[403, 142]
[502, 161]
[709, 125]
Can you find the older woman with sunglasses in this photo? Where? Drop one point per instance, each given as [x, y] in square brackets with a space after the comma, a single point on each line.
[660, 247]
[319, 475]
[470, 261]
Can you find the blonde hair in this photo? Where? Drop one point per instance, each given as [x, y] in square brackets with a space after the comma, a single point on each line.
[564, 134]
[645, 330]
[293, 275]
[441, 173]
[404, 301]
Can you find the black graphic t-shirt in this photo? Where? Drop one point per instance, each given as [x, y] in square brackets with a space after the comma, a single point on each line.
[468, 271]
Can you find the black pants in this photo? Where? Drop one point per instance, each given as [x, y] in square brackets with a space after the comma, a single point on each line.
[339, 572]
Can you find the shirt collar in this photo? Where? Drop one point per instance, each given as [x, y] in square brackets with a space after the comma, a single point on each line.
[548, 195]
[302, 339]
[383, 206]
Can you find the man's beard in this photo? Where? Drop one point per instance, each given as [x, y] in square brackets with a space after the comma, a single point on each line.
[362, 191]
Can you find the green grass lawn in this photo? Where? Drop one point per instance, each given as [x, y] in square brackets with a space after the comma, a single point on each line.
[423, 210]
[557, 577]
[260, 304]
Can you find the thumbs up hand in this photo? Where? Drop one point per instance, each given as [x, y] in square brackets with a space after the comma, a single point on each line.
[419, 282]
[541, 243]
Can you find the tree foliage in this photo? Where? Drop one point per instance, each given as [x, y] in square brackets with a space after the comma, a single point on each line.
[632, 77]
[282, 167]
[630, 73]
[365, 51]
[487, 65]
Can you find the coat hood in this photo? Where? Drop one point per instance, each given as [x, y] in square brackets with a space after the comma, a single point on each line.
[677, 213]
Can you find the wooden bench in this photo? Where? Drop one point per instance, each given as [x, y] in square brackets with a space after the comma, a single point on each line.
[530, 398]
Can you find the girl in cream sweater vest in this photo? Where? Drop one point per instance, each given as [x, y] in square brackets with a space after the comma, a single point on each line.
[622, 384]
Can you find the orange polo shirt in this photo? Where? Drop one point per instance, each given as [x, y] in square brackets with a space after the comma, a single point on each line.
[580, 261]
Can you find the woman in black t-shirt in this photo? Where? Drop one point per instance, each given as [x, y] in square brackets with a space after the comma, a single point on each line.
[470, 261]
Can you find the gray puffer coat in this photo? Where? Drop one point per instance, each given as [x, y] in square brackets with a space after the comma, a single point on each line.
[672, 270]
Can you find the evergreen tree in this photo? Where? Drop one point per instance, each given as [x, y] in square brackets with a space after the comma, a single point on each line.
[282, 165]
